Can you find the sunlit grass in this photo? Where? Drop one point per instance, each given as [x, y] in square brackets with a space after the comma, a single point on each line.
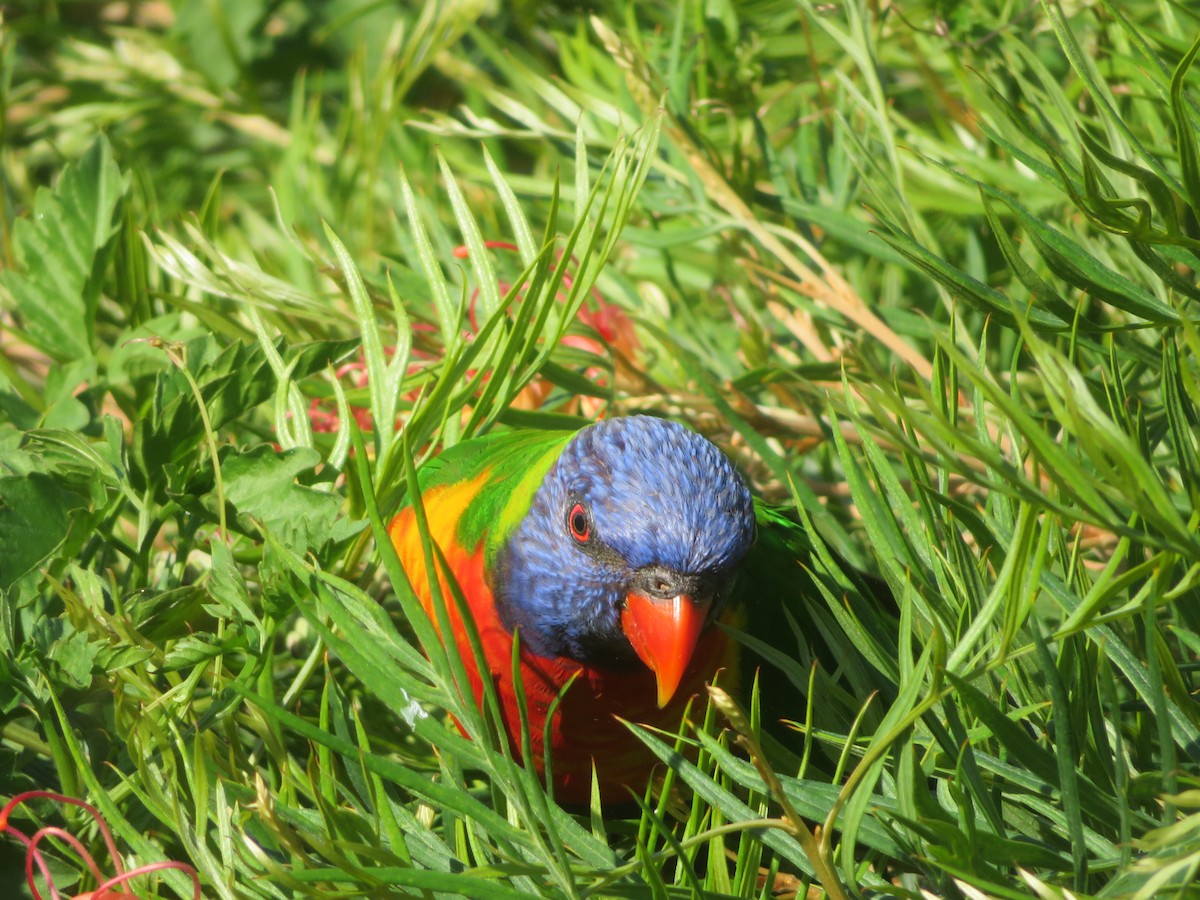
[928, 274]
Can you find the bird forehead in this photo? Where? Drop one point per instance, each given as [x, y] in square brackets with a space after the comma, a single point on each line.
[660, 493]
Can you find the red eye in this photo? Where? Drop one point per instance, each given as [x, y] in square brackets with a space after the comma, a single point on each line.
[580, 523]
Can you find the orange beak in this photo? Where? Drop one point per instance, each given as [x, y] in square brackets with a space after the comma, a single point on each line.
[664, 634]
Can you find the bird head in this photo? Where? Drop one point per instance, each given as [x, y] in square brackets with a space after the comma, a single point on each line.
[628, 550]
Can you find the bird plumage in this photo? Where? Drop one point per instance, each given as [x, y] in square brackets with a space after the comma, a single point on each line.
[610, 552]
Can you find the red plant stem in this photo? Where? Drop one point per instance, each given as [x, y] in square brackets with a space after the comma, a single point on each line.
[30, 856]
[146, 870]
[63, 835]
[109, 843]
[461, 251]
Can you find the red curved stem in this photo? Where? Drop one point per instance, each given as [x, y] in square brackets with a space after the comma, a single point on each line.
[146, 870]
[109, 843]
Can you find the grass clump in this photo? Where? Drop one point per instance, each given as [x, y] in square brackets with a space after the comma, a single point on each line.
[927, 273]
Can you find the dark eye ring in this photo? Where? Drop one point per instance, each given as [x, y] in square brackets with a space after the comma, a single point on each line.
[579, 523]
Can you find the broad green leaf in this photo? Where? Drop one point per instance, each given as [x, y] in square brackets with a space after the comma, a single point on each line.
[35, 517]
[261, 485]
[61, 255]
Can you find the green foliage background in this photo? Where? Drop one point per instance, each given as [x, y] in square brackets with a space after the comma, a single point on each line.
[928, 271]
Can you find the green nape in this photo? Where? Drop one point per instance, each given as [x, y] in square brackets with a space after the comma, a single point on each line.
[516, 463]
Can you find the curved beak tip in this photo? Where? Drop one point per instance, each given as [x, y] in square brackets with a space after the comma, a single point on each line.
[664, 633]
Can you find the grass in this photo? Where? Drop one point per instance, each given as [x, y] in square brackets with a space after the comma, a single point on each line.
[926, 271]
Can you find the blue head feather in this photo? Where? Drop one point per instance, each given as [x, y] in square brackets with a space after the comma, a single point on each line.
[657, 497]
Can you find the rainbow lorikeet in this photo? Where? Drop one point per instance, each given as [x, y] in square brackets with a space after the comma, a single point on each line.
[611, 551]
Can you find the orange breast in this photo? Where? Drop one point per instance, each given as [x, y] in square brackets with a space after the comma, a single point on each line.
[584, 729]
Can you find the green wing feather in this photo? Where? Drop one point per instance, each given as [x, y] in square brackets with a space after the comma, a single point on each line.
[515, 463]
